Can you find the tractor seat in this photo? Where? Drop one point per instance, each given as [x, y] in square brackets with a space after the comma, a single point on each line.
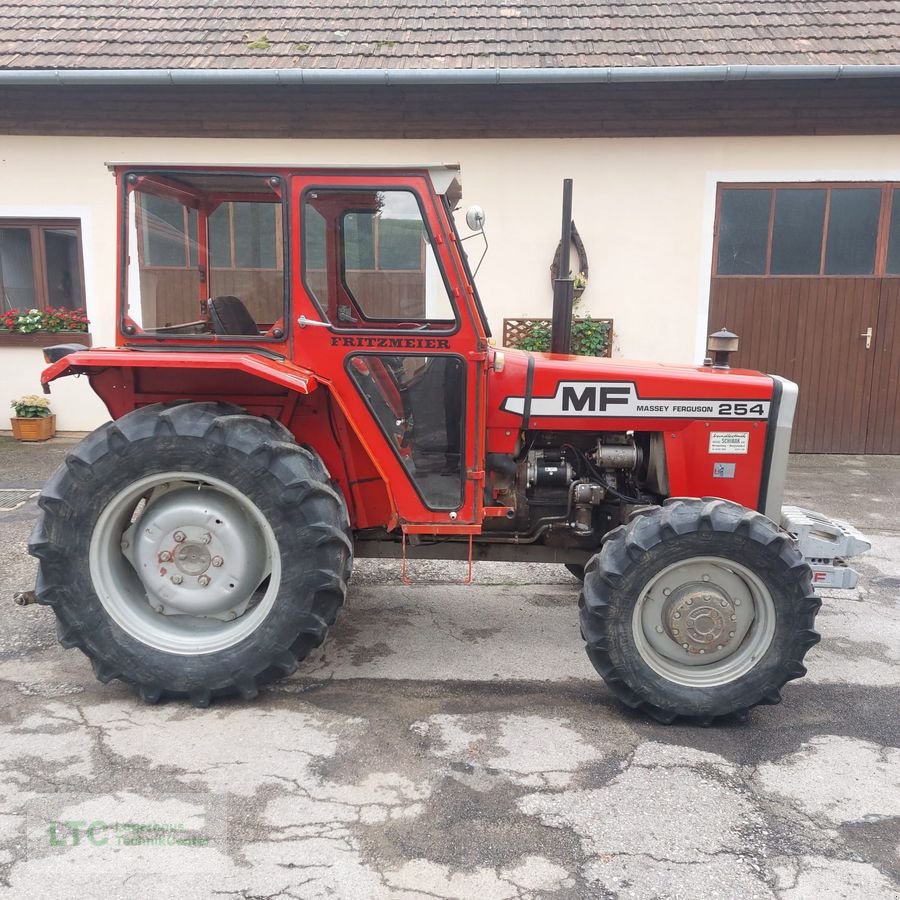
[230, 316]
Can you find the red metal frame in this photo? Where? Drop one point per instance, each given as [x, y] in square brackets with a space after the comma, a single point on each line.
[304, 381]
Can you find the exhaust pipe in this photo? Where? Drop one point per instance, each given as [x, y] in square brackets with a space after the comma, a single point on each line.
[564, 284]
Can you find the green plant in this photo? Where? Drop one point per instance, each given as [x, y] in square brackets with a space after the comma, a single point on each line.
[301, 48]
[580, 281]
[30, 321]
[537, 338]
[259, 43]
[31, 406]
[590, 337]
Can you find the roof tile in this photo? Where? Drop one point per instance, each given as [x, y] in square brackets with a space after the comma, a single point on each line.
[35, 34]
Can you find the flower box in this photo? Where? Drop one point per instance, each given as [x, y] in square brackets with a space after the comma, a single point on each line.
[33, 429]
[44, 338]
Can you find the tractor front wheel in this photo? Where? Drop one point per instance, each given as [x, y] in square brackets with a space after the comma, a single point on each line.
[192, 550]
[700, 608]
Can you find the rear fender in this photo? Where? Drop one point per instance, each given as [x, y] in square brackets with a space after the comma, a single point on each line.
[126, 379]
[265, 386]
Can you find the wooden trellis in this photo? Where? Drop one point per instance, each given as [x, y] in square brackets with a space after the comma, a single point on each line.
[516, 330]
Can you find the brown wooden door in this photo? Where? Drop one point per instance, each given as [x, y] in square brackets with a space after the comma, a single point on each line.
[883, 435]
[811, 330]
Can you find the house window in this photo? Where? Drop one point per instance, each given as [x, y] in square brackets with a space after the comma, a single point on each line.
[808, 229]
[41, 264]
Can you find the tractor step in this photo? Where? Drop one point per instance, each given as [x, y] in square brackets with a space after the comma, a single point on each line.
[826, 543]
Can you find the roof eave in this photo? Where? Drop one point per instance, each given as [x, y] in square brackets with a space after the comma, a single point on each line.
[394, 77]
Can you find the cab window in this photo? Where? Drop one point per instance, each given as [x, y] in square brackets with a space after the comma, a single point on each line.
[368, 260]
[204, 255]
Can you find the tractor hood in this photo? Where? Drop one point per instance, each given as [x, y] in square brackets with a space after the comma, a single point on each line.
[543, 390]
[726, 432]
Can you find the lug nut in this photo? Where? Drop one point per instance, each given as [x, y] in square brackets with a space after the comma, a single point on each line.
[179, 536]
[659, 629]
[206, 538]
[217, 561]
[204, 580]
[160, 608]
[737, 602]
[676, 615]
[165, 556]
[685, 646]
[177, 579]
[731, 634]
[734, 618]
[690, 601]
[667, 591]
[706, 577]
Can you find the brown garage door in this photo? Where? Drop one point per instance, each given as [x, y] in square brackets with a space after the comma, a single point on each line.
[809, 277]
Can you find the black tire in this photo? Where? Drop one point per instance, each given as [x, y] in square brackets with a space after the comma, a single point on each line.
[576, 569]
[635, 554]
[258, 459]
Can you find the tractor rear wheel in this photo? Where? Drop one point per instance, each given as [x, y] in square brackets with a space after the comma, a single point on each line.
[192, 550]
[700, 608]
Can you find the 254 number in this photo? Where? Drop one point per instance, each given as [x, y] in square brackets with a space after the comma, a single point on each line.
[741, 409]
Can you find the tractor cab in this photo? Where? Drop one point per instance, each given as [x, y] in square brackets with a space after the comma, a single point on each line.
[354, 279]
[209, 256]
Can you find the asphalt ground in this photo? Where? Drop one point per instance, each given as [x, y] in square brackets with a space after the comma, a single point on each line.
[454, 742]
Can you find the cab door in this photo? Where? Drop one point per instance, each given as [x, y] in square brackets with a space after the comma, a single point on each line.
[383, 314]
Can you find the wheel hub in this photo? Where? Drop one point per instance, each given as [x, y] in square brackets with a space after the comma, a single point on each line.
[700, 616]
[195, 555]
[697, 613]
[193, 558]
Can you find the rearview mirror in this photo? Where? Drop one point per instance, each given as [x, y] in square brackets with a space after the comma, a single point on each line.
[475, 218]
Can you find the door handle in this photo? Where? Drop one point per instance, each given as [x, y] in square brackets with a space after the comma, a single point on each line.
[867, 334]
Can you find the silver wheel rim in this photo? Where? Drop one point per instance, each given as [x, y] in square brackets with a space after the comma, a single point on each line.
[703, 622]
[185, 563]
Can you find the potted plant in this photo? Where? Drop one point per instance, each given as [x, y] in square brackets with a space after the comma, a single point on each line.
[33, 420]
[579, 284]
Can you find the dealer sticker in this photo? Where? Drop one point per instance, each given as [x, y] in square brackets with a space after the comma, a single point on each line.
[729, 442]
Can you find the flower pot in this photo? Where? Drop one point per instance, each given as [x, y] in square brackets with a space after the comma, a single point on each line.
[578, 292]
[33, 429]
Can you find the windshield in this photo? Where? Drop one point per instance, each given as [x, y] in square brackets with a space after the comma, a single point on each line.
[204, 255]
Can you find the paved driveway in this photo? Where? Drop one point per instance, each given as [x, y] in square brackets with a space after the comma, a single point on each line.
[454, 742]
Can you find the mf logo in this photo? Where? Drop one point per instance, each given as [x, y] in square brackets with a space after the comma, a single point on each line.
[594, 398]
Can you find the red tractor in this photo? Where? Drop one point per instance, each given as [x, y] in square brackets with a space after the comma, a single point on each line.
[303, 374]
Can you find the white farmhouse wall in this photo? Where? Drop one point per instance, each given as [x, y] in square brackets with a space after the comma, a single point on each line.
[644, 208]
